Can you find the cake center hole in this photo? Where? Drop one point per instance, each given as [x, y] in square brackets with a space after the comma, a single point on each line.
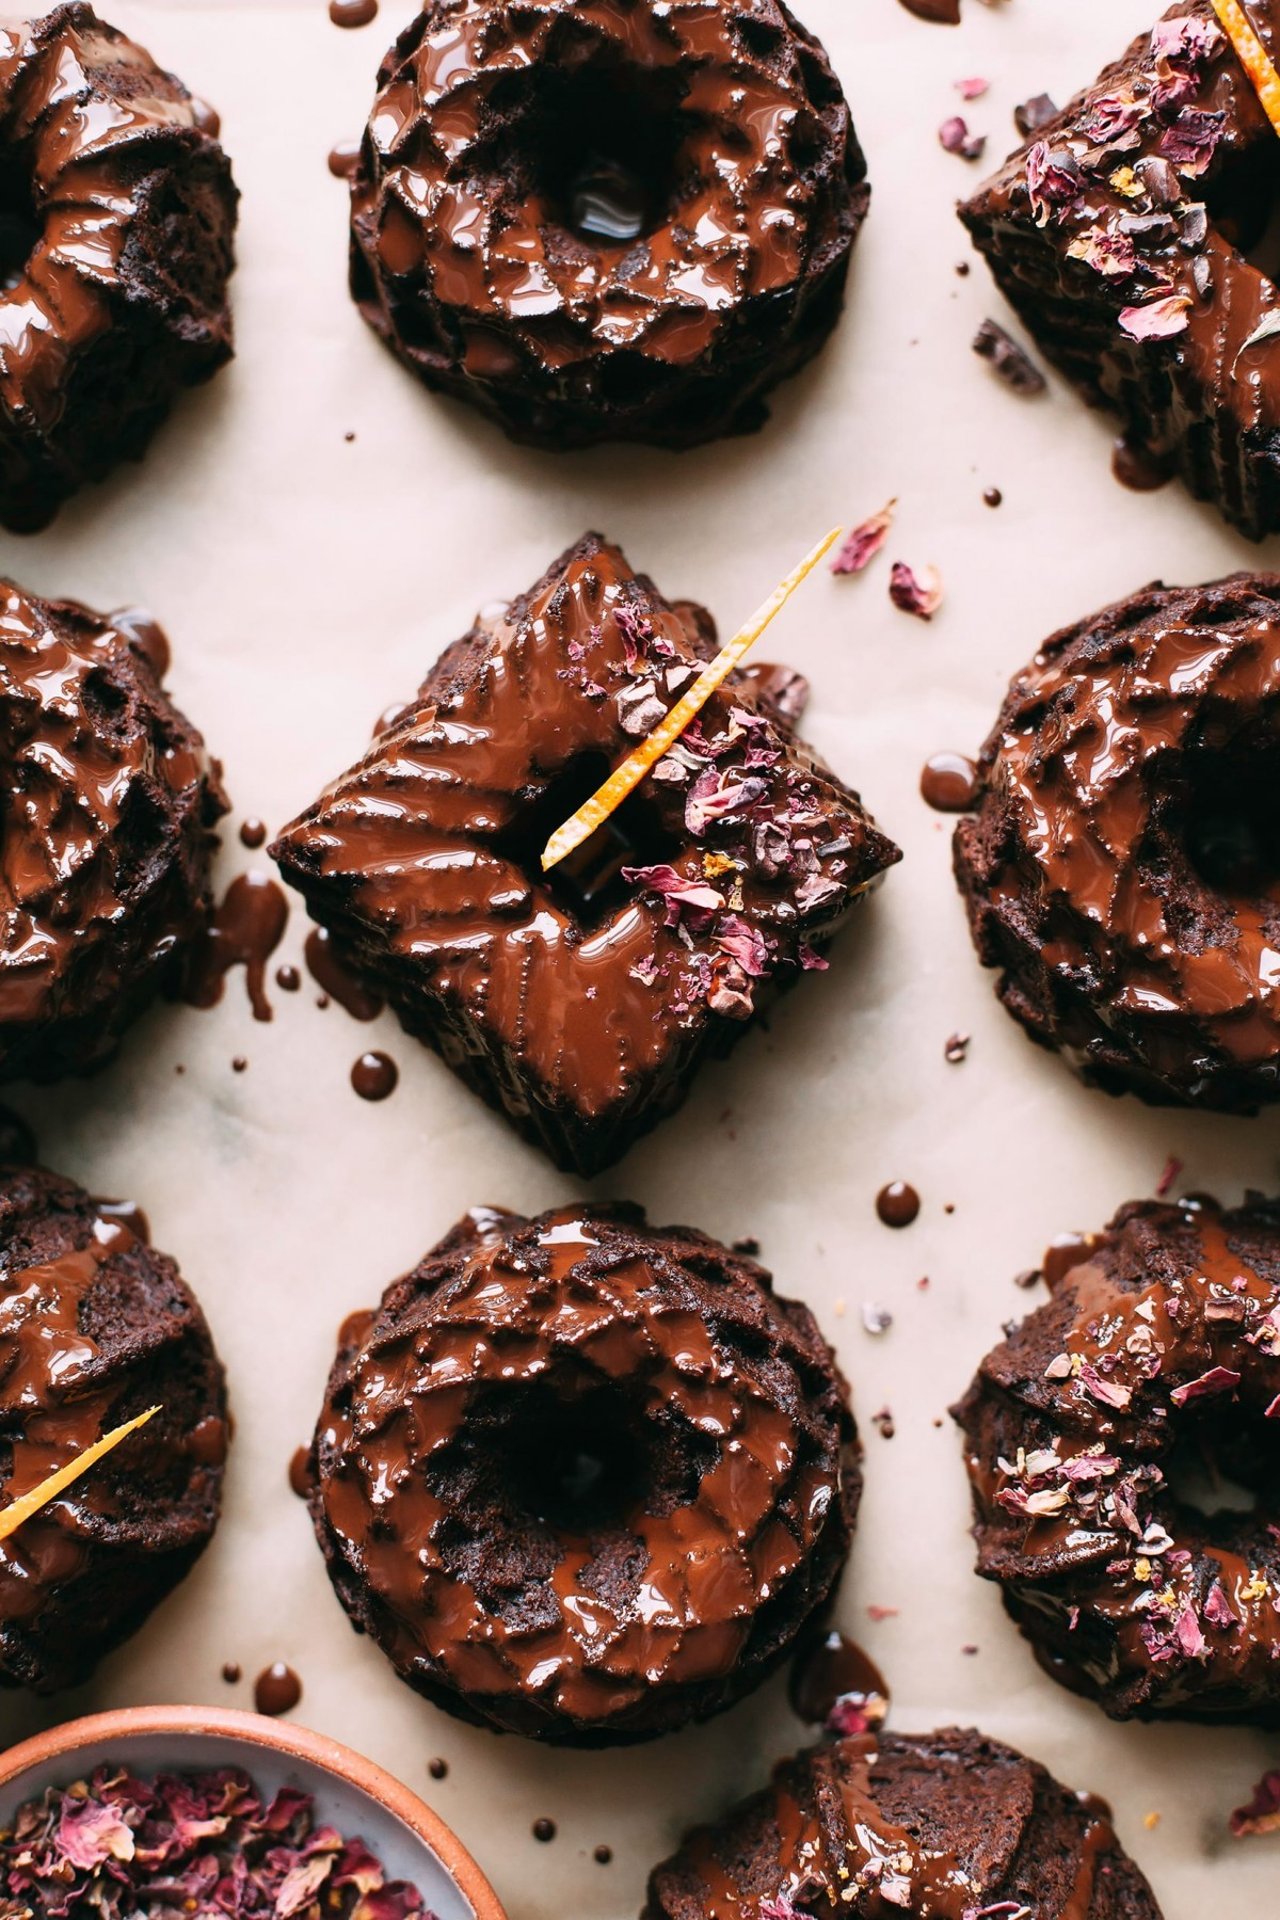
[19, 232]
[1233, 825]
[606, 168]
[1243, 199]
[577, 1465]
[588, 886]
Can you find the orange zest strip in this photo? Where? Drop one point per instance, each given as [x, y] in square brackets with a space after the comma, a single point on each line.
[1253, 56]
[27, 1504]
[624, 779]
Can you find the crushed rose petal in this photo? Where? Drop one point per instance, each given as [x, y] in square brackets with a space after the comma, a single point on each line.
[1217, 1380]
[954, 137]
[861, 546]
[973, 87]
[912, 595]
[1157, 319]
[110, 1846]
[1262, 1815]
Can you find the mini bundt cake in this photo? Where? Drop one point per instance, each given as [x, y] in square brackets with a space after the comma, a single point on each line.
[1159, 1347]
[1122, 864]
[940, 1826]
[584, 1479]
[1126, 233]
[582, 1002]
[109, 800]
[95, 1328]
[603, 219]
[117, 216]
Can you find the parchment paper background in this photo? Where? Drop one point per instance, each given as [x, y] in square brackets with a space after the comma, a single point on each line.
[306, 583]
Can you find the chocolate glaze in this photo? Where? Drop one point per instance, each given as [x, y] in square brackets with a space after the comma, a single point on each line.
[897, 1204]
[1157, 183]
[948, 782]
[109, 801]
[127, 1213]
[514, 150]
[277, 1689]
[344, 158]
[244, 932]
[338, 981]
[944, 1826]
[581, 1004]
[122, 301]
[352, 13]
[1122, 868]
[375, 1076]
[95, 1327]
[584, 1479]
[1163, 1337]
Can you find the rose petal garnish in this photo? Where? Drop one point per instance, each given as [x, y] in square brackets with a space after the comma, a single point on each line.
[1262, 1815]
[861, 546]
[1217, 1380]
[1188, 1635]
[973, 87]
[676, 889]
[954, 137]
[627, 777]
[1110, 1393]
[1158, 319]
[1267, 329]
[913, 595]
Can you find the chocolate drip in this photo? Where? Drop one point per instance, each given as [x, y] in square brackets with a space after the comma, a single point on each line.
[244, 932]
[949, 782]
[277, 1689]
[834, 1672]
[337, 980]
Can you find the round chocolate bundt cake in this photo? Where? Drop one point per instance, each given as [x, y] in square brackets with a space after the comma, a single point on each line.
[117, 216]
[1089, 1431]
[584, 1479]
[605, 220]
[95, 1328]
[1122, 866]
[109, 801]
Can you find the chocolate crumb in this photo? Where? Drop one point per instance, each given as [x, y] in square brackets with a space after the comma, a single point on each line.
[1013, 364]
[1030, 115]
[748, 1245]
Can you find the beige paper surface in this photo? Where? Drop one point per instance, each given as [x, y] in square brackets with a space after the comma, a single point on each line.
[307, 582]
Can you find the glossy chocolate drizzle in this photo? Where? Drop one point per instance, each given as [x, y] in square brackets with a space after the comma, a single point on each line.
[1163, 1335]
[726, 873]
[571, 1319]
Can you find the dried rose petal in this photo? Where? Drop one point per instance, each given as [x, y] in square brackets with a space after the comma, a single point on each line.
[1054, 181]
[676, 889]
[1262, 1815]
[861, 546]
[1010, 361]
[1172, 1168]
[954, 137]
[1217, 1608]
[1110, 1393]
[1158, 319]
[972, 87]
[745, 944]
[1217, 1380]
[912, 595]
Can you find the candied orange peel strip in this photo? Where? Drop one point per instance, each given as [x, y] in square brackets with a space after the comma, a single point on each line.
[1253, 56]
[27, 1504]
[625, 779]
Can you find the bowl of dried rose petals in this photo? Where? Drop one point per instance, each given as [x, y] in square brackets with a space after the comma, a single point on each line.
[218, 1815]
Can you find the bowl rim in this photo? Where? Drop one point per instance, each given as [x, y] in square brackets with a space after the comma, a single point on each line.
[296, 1742]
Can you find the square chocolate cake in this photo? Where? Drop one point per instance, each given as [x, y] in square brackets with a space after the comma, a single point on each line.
[581, 1001]
[1136, 235]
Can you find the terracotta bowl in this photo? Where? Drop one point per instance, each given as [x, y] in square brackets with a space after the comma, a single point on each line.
[350, 1793]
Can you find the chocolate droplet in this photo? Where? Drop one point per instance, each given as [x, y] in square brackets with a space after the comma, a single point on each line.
[897, 1204]
[949, 782]
[338, 982]
[277, 1689]
[352, 13]
[253, 833]
[544, 1829]
[299, 1477]
[344, 157]
[374, 1076]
